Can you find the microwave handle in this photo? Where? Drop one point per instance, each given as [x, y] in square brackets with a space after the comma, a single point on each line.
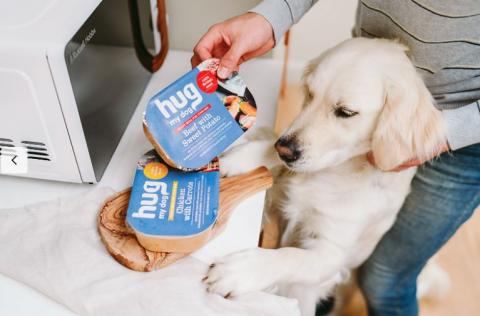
[151, 62]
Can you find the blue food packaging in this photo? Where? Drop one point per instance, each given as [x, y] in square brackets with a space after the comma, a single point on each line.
[198, 116]
[171, 210]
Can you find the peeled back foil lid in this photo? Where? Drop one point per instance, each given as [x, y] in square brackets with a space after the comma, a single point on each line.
[171, 210]
[197, 117]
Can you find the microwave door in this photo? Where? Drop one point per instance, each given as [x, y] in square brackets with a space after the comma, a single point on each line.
[107, 78]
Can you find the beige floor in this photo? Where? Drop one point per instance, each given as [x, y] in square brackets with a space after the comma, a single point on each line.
[460, 257]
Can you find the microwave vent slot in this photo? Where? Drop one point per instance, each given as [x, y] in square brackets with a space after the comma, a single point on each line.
[6, 145]
[35, 150]
[6, 142]
[29, 142]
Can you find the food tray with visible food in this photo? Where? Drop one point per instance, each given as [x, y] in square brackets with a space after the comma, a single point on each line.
[197, 117]
[171, 210]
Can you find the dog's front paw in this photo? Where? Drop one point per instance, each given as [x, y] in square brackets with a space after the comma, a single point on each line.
[241, 272]
[248, 156]
[231, 164]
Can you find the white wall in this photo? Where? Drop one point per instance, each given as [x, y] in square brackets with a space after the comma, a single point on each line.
[188, 20]
[325, 25]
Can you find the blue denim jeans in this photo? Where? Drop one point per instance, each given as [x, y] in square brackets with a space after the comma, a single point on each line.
[444, 195]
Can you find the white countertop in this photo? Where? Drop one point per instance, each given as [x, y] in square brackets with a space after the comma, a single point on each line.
[242, 231]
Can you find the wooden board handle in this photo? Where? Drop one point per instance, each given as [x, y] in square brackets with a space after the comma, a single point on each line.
[234, 190]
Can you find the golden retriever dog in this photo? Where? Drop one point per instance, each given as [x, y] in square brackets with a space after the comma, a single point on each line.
[361, 96]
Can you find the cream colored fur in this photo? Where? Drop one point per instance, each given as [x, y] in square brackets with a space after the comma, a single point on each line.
[335, 206]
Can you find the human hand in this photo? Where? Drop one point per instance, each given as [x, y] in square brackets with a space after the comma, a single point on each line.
[234, 41]
[413, 161]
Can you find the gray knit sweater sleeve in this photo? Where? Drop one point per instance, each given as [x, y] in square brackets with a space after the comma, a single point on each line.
[282, 14]
[463, 125]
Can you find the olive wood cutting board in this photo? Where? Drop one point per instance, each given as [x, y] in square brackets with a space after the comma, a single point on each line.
[122, 244]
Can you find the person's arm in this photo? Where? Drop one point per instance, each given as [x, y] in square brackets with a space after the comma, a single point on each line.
[248, 35]
[282, 14]
[463, 125]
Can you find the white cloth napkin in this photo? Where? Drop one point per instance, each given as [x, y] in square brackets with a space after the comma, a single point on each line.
[55, 248]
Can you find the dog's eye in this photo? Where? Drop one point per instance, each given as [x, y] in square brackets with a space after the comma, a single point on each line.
[343, 112]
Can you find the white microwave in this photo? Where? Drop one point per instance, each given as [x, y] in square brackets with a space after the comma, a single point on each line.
[71, 75]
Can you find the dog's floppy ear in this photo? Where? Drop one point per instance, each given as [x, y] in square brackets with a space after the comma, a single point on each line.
[409, 125]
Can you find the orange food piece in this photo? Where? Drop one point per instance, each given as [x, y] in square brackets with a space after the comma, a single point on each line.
[248, 109]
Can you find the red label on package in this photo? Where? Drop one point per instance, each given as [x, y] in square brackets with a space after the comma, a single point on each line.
[207, 81]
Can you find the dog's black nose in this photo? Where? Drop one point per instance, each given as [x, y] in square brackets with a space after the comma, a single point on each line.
[287, 148]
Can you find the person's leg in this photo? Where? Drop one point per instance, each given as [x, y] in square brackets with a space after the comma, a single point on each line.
[444, 195]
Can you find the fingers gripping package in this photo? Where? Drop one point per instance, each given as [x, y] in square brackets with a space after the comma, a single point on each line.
[198, 116]
[171, 210]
